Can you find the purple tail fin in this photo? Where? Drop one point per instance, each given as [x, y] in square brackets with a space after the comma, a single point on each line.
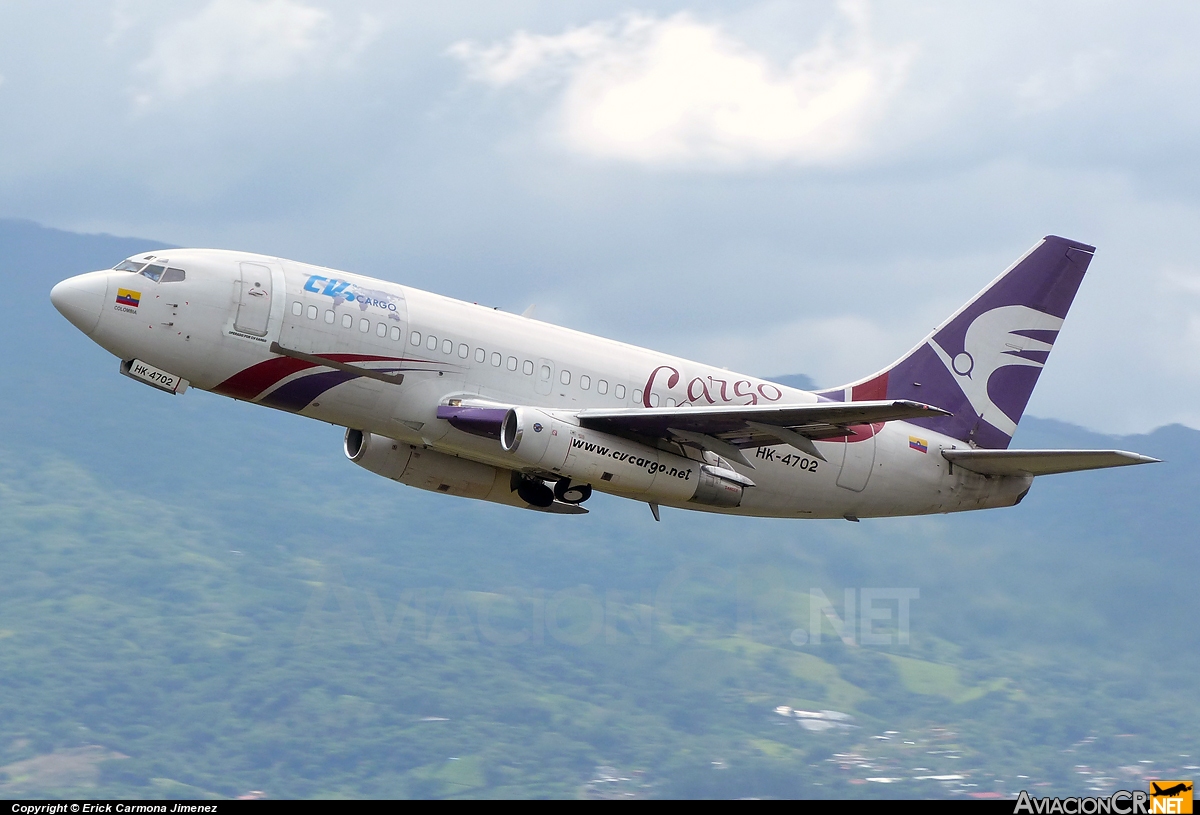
[981, 364]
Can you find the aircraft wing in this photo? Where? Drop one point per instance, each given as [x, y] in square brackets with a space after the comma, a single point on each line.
[818, 420]
[1041, 462]
[727, 429]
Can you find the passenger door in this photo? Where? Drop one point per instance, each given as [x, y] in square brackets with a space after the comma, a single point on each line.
[254, 299]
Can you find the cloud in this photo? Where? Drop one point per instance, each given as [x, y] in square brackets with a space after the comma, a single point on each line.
[244, 41]
[680, 92]
[121, 19]
[986, 126]
[1053, 86]
[832, 350]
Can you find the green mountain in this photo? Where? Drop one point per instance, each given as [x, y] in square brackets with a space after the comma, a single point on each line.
[205, 598]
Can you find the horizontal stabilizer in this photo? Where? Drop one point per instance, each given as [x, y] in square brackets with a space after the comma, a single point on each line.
[1041, 462]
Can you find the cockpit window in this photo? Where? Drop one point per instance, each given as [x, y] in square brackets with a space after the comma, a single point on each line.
[157, 272]
[154, 272]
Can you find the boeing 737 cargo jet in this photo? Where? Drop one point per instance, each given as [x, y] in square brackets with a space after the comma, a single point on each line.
[466, 400]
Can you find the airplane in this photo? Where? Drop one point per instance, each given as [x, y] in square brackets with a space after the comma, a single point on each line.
[471, 401]
[1170, 792]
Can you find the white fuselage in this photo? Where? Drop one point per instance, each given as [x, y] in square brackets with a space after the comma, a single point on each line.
[215, 329]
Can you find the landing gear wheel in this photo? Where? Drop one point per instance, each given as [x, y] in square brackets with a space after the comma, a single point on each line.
[570, 493]
[535, 492]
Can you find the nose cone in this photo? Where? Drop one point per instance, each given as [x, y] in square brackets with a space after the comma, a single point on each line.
[81, 299]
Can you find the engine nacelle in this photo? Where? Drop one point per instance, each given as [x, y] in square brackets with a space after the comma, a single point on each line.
[615, 464]
[437, 472]
[418, 467]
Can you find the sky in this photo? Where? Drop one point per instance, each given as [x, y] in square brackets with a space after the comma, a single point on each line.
[799, 187]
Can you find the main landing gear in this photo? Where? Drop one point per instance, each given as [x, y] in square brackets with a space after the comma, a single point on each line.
[572, 492]
[538, 493]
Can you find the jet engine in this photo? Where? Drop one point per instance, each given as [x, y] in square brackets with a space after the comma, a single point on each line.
[582, 456]
[438, 472]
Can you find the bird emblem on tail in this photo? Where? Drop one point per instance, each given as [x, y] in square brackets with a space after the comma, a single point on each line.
[997, 339]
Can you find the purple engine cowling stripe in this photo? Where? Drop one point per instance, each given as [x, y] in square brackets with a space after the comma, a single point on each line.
[485, 422]
[297, 394]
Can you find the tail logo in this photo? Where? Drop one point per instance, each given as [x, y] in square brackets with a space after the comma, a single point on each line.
[996, 339]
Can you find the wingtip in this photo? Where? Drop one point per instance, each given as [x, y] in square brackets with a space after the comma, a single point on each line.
[1138, 458]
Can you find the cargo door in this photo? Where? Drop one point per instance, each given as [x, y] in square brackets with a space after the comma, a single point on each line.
[858, 459]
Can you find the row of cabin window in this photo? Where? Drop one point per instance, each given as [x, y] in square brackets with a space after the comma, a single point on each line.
[497, 359]
[364, 325]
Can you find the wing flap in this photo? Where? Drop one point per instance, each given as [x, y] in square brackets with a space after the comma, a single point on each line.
[746, 425]
[1041, 462]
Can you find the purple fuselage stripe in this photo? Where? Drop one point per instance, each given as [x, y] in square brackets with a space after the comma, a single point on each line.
[297, 394]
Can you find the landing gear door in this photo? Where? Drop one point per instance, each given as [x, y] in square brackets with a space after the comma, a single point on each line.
[254, 289]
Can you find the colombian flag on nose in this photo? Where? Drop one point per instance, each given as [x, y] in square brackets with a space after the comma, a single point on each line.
[920, 445]
[128, 297]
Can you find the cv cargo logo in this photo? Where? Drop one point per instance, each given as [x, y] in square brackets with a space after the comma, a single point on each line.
[343, 291]
[709, 389]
